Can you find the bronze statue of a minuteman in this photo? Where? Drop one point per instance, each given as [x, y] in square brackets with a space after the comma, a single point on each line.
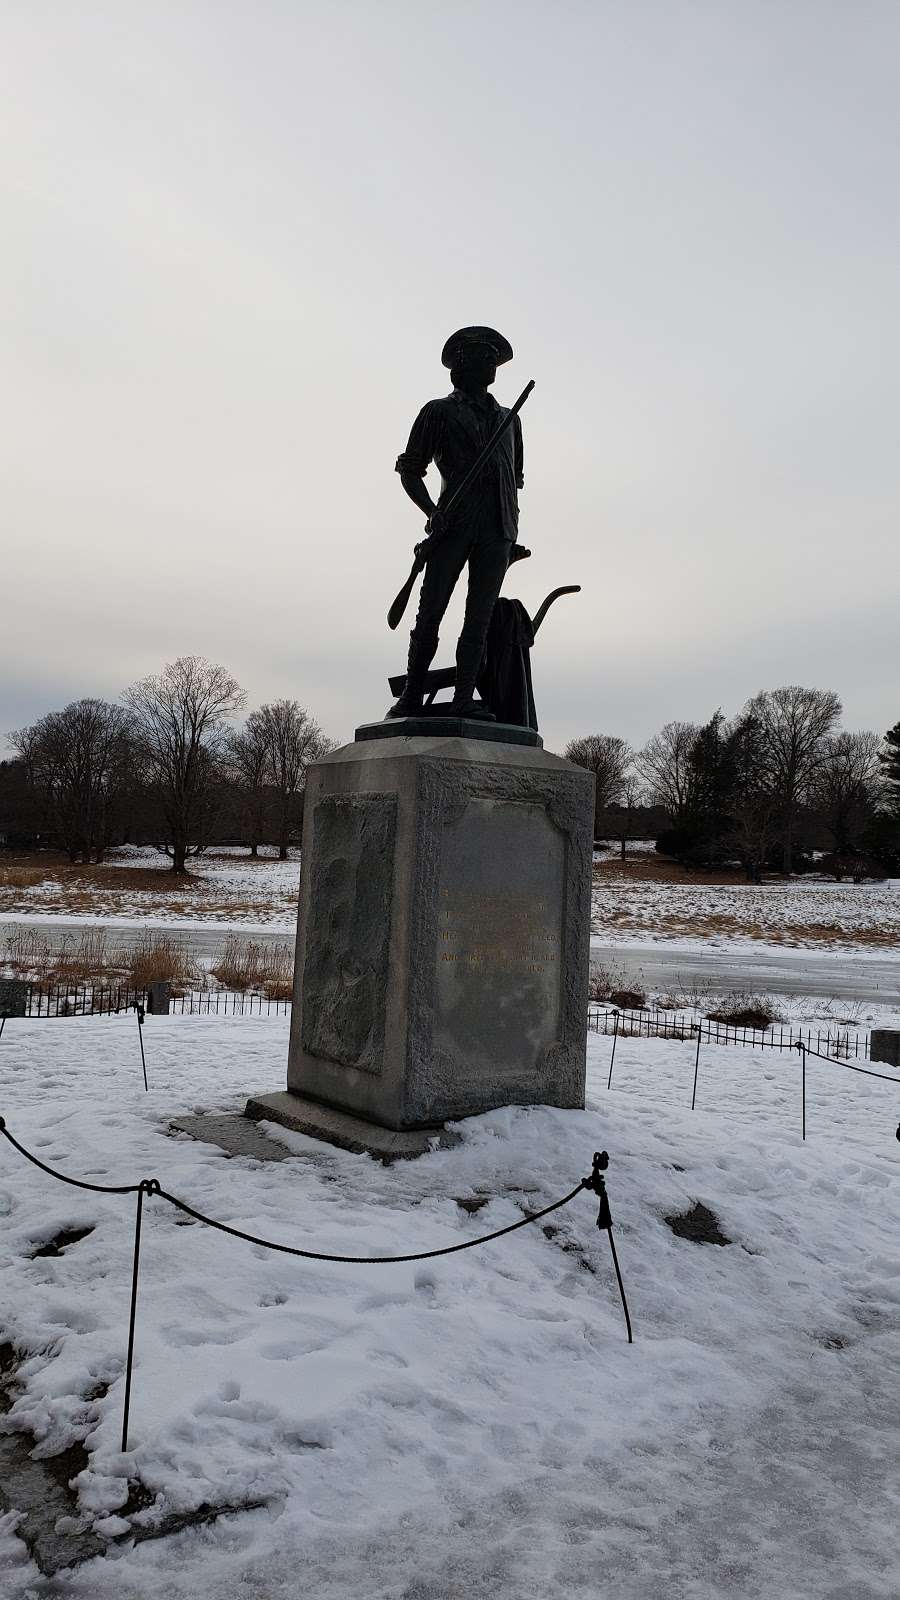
[482, 527]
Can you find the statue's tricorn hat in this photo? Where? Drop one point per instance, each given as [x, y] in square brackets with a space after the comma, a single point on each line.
[489, 336]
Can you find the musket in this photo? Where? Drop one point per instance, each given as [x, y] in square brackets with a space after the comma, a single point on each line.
[402, 600]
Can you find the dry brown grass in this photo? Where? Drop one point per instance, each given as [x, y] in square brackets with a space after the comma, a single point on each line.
[614, 985]
[22, 870]
[794, 935]
[30, 954]
[157, 880]
[265, 969]
[157, 958]
[651, 868]
[20, 877]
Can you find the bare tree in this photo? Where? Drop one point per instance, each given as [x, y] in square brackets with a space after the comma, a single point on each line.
[794, 723]
[294, 740]
[666, 767]
[247, 762]
[180, 725]
[78, 766]
[622, 819]
[844, 787]
[609, 759]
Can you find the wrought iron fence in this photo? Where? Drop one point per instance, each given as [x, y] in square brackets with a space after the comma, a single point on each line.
[78, 999]
[663, 1025]
[100, 1000]
[227, 1003]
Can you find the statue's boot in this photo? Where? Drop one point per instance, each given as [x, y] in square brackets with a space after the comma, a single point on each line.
[468, 661]
[422, 647]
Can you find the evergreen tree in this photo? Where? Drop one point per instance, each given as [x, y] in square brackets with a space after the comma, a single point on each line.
[890, 769]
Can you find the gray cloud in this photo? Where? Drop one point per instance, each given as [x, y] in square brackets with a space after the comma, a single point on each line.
[233, 239]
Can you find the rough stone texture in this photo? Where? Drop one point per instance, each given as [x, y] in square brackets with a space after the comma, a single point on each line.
[476, 967]
[345, 1130]
[345, 971]
[885, 1046]
[432, 725]
[13, 997]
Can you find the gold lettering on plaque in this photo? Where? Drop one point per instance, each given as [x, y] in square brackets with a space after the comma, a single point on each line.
[505, 930]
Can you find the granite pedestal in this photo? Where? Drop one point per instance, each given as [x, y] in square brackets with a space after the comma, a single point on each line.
[442, 938]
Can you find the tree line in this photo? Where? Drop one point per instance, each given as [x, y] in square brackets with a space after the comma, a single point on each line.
[761, 790]
[164, 766]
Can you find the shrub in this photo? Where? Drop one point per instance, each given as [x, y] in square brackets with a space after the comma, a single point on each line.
[861, 868]
[612, 985]
[677, 843]
[266, 969]
[31, 954]
[739, 1010]
[158, 959]
[629, 999]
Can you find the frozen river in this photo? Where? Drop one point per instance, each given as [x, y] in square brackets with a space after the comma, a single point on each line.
[857, 975]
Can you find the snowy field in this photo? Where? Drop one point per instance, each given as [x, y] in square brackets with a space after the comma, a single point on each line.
[475, 1426]
[227, 887]
[793, 912]
[228, 890]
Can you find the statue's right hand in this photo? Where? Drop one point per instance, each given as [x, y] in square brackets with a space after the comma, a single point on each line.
[436, 525]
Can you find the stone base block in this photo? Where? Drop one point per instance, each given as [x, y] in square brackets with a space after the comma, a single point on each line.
[443, 932]
[348, 1132]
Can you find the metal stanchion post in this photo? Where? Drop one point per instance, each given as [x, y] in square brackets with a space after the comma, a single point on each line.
[613, 1056]
[696, 1064]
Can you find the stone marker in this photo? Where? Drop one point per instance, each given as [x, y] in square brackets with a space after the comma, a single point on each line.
[158, 996]
[442, 940]
[884, 1045]
[13, 997]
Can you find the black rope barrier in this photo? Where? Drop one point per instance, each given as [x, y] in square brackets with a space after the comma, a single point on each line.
[867, 1072]
[595, 1183]
[368, 1261]
[77, 1183]
[848, 1066]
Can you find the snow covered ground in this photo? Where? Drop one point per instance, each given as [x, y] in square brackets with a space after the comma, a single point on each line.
[227, 886]
[791, 912]
[475, 1426]
[228, 890]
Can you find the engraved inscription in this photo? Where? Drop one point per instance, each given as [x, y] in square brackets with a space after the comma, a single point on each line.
[506, 930]
[500, 916]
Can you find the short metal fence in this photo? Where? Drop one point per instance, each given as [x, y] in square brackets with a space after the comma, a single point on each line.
[663, 1025]
[227, 1003]
[80, 999]
[99, 999]
[102, 1000]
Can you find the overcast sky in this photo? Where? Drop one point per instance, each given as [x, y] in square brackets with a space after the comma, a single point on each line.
[234, 237]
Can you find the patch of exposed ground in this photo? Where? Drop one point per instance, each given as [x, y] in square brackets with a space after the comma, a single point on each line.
[700, 1225]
